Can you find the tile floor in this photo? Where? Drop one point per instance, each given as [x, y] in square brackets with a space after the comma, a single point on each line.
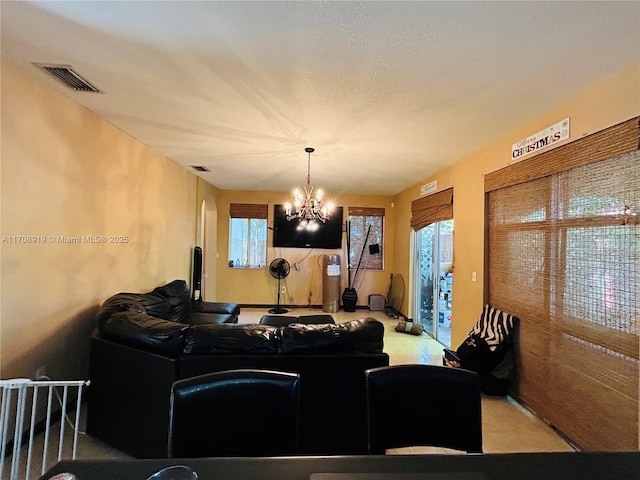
[507, 426]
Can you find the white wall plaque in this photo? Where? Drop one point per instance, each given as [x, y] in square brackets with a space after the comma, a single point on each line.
[542, 139]
[429, 188]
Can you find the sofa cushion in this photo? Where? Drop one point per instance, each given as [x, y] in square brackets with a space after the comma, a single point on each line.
[174, 304]
[357, 336]
[175, 288]
[231, 338]
[143, 331]
[156, 305]
[121, 302]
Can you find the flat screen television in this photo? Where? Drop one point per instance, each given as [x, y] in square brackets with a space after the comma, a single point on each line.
[286, 234]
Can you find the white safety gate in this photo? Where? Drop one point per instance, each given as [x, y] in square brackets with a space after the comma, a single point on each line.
[22, 401]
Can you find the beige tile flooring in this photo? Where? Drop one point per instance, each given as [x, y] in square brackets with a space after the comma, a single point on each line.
[507, 426]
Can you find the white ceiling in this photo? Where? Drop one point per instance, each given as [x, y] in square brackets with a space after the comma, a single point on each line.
[387, 92]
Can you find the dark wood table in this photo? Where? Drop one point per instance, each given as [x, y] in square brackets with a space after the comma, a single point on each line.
[516, 466]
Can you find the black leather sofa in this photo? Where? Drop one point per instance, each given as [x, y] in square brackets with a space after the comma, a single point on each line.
[168, 302]
[135, 359]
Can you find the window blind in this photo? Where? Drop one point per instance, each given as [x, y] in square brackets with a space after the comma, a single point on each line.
[248, 210]
[367, 211]
[564, 256]
[432, 208]
[360, 218]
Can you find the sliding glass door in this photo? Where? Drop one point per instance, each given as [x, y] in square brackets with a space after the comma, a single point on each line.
[434, 279]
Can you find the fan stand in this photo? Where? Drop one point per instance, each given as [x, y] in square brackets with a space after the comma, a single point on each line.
[278, 309]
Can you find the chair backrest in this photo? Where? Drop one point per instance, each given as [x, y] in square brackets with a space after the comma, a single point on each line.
[278, 320]
[234, 413]
[423, 405]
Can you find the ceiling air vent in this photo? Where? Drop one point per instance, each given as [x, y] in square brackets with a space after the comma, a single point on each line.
[68, 76]
[200, 168]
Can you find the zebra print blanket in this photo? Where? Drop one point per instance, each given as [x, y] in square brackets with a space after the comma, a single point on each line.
[493, 326]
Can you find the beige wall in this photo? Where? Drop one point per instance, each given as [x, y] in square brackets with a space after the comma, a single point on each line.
[615, 100]
[67, 173]
[258, 287]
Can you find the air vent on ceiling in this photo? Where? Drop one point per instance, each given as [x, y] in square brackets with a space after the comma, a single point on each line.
[200, 168]
[69, 77]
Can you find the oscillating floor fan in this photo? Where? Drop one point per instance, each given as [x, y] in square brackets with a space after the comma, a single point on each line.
[279, 268]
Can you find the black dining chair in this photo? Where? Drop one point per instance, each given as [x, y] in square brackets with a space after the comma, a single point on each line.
[423, 405]
[252, 413]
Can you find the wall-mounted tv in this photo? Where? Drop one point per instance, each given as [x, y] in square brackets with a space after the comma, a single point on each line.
[286, 234]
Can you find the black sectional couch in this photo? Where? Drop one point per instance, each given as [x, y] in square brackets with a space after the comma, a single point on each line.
[135, 358]
[170, 302]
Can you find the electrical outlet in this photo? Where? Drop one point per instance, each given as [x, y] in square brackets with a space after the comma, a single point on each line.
[41, 372]
[283, 290]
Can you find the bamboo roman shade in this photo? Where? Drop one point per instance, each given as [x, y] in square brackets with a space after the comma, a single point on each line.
[360, 219]
[367, 211]
[248, 210]
[616, 140]
[432, 208]
[564, 256]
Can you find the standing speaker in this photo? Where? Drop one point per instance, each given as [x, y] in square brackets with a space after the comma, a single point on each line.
[196, 284]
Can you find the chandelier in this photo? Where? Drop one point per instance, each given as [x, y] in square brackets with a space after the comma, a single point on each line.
[309, 210]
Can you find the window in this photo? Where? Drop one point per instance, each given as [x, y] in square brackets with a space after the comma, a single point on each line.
[360, 219]
[563, 246]
[247, 235]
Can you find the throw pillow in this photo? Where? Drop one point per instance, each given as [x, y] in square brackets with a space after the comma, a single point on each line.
[144, 331]
[410, 328]
[493, 326]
